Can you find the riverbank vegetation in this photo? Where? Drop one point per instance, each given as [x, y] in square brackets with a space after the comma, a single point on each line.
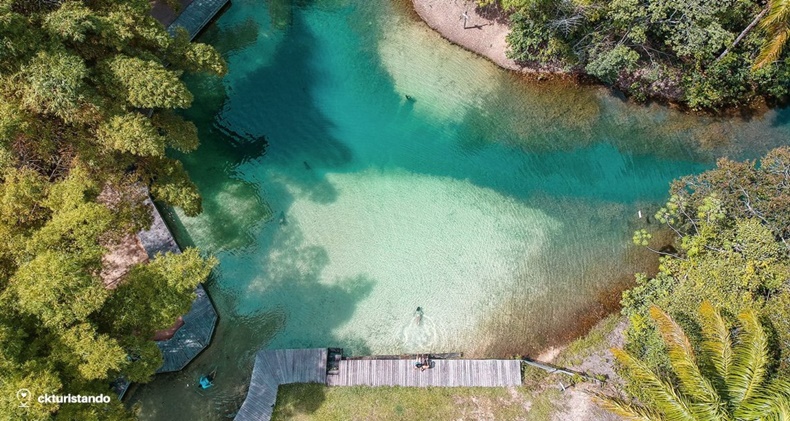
[702, 54]
[727, 379]
[88, 92]
[731, 259]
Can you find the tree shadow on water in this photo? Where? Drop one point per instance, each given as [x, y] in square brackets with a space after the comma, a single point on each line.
[284, 299]
[228, 40]
[277, 100]
[292, 279]
[231, 205]
[237, 119]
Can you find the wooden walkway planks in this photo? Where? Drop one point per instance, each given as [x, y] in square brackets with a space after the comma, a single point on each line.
[275, 367]
[196, 16]
[445, 373]
[158, 238]
[199, 322]
[191, 338]
[283, 366]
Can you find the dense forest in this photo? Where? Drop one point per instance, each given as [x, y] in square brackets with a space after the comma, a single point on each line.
[700, 53]
[88, 93]
[709, 335]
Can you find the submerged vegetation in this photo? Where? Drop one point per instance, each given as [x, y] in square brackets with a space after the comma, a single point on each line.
[704, 54]
[88, 91]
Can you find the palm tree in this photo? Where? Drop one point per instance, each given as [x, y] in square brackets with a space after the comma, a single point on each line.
[729, 383]
[776, 26]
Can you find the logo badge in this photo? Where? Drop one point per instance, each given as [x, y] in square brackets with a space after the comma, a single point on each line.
[24, 397]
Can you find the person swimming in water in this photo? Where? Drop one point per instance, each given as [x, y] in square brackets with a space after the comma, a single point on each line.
[418, 317]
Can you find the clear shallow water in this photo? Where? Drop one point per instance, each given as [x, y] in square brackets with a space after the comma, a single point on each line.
[337, 206]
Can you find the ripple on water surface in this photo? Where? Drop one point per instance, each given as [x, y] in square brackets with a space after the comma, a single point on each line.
[399, 241]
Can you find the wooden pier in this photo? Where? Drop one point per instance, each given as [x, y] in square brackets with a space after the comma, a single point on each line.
[191, 338]
[196, 16]
[275, 367]
[443, 373]
[195, 335]
[158, 238]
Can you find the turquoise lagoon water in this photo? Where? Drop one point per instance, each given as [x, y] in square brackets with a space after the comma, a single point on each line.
[337, 206]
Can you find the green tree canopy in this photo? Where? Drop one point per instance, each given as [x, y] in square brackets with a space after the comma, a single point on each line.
[88, 97]
[80, 79]
[705, 54]
[731, 225]
[733, 191]
[59, 321]
[155, 292]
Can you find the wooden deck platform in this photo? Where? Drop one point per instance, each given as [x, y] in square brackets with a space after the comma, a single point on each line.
[191, 338]
[158, 238]
[198, 328]
[199, 322]
[196, 16]
[275, 367]
[445, 373]
[283, 366]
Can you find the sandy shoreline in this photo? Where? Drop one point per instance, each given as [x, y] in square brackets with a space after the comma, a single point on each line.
[460, 22]
[484, 32]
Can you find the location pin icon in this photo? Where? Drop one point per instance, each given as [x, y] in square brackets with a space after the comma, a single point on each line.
[24, 397]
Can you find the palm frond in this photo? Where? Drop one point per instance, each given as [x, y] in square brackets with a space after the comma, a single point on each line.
[666, 399]
[707, 404]
[770, 404]
[750, 357]
[776, 26]
[716, 342]
[772, 48]
[625, 409]
[778, 15]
